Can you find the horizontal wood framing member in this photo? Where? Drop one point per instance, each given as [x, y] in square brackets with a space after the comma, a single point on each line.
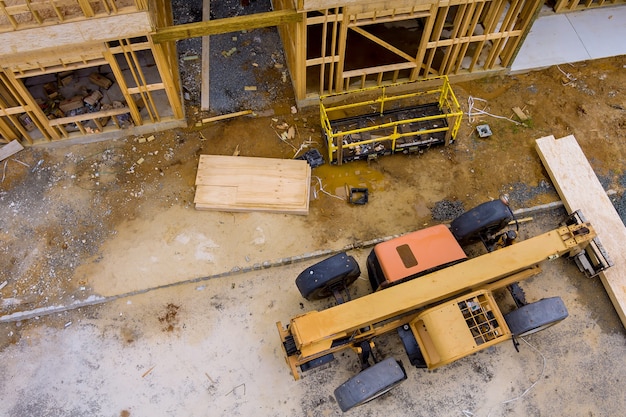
[232, 24]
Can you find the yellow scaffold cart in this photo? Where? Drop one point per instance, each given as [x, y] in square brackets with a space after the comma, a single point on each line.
[404, 117]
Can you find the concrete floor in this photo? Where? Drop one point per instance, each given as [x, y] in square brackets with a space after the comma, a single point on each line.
[572, 37]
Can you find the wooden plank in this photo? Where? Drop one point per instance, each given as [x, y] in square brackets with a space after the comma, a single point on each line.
[220, 195]
[10, 149]
[520, 114]
[237, 183]
[580, 189]
[226, 116]
[227, 25]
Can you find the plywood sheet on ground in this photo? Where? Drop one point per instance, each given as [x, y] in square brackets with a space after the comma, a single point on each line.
[238, 183]
[10, 149]
[580, 189]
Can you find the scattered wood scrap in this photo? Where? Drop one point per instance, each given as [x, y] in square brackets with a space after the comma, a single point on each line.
[226, 116]
[520, 114]
[10, 149]
[239, 183]
[580, 189]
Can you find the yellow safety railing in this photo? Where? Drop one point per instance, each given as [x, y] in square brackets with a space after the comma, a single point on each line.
[383, 118]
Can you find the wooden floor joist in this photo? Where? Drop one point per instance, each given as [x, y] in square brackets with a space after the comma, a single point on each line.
[239, 183]
[580, 189]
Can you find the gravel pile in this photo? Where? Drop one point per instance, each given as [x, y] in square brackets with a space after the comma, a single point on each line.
[247, 68]
[521, 195]
[447, 210]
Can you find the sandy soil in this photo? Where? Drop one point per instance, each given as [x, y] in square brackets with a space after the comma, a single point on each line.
[210, 348]
[91, 221]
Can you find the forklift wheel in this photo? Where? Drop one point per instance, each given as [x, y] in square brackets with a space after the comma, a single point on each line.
[317, 281]
[485, 219]
[536, 316]
[370, 383]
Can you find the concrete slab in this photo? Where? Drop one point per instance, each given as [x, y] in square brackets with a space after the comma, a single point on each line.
[578, 36]
[602, 32]
[552, 40]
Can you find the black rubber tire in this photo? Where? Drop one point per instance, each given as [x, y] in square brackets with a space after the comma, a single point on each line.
[369, 384]
[374, 272]
[536, 316]
[316, 282]
[484, 219]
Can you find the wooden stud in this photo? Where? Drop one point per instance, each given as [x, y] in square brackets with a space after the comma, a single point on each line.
[426, 35]
[529, 15]
[334, 51]
[323, 52]
[37, 115]
[9, 16]
[168, 78]
[495, 9]
[204, 87]
[119, 77]
[86, 8]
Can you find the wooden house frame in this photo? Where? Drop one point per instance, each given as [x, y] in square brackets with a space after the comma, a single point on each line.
[87, 45]
[407, 40]
[331, 46]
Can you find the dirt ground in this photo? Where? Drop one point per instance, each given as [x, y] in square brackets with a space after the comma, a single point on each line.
[113, 224]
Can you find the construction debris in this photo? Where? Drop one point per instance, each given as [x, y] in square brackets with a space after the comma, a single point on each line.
[520, 114]
[226, 116]
[100, 80]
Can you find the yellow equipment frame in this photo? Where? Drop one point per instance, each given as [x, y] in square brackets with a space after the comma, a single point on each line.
[458, 328]
[376, 101]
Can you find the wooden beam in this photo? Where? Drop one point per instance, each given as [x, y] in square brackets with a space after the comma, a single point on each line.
[580, 189]
[231, 24]
[89, 116]
[382, 43]
[226, 116]
[204, 88]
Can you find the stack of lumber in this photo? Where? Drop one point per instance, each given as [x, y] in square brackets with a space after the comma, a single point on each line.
[238, 183]
[580, 189]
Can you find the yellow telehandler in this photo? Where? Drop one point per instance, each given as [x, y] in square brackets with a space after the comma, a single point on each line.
[439, 301]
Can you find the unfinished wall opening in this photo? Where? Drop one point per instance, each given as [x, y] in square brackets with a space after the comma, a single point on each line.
[72, 68]
[118, 85]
